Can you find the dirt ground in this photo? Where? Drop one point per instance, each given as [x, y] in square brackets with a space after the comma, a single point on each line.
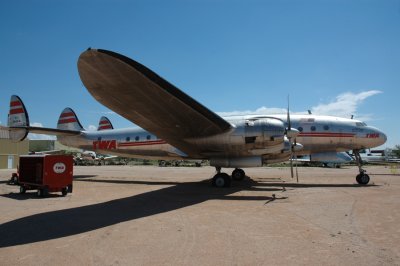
[146, 215]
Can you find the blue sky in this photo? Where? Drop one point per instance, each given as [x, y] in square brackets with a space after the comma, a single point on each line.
[334, 57]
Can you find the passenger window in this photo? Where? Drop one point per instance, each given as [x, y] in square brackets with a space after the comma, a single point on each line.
[99, 138]
[326, 127]
[148, 137]
[300, 129]
[128, 139]
[313, 128]
[137, 138]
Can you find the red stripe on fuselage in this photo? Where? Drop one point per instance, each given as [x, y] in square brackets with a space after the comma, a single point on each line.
[323, 134]
[103, 122]
[141, 143]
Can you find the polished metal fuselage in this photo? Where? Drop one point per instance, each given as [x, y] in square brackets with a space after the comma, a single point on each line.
[250, 135]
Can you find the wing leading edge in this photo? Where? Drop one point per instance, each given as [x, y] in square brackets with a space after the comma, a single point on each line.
[141, 96]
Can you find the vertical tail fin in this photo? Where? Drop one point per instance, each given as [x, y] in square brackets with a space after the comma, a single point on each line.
[17, 117]
[69, 121]
[104, 124]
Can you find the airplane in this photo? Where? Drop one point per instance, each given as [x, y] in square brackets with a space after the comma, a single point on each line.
[175, 126]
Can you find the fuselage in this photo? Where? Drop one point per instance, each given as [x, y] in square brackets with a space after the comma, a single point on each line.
[250, 135]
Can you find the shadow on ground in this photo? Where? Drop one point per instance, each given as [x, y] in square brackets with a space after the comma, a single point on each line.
[62, 223]
[67, 222]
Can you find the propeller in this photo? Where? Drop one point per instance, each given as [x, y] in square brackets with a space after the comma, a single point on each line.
[295, 160]
[291, 134]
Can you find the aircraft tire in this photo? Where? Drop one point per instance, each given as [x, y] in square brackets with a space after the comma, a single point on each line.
[221, 180]
[22, 190]
[64, 191]
[362, 179]
[238, 174]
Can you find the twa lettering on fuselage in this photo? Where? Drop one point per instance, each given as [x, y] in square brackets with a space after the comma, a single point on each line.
[104, 145]
[373, 135]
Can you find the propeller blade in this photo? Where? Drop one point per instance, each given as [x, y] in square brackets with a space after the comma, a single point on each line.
[291, 166]
[288, 115]
[288, 135]
[297, 173]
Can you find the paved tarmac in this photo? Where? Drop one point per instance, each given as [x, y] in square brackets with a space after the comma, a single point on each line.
[145, 215]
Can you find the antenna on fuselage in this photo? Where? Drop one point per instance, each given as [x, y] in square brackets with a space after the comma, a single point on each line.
[309, 112]
[352, 116]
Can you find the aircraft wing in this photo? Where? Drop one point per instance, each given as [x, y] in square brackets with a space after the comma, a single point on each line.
[141, 96]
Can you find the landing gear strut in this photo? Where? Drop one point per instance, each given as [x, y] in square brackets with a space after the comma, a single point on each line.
[224, 180]
[362, 178]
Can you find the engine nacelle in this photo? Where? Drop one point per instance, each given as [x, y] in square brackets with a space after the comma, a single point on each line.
[240, 162]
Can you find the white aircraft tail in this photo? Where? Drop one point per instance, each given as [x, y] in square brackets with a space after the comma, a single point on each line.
[69, 121]
[104, 124]
[18, 116]
[18, 120]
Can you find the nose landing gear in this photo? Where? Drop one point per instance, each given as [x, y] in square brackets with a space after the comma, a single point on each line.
[362, 178]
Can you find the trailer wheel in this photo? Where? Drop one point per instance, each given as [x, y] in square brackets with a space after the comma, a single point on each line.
[22, 190]
[43, 192]
[64, 191]
[14, 179]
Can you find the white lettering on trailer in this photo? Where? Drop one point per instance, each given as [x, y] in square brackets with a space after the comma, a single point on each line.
[59, 168]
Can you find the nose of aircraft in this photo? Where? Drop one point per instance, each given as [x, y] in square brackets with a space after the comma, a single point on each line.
[376, 137]
[382, 138]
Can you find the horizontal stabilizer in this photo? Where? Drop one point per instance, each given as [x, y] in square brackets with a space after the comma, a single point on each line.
[18, 123]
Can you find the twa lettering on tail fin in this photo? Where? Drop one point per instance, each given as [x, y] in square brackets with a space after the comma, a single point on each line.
[104, 124]
[69, 121]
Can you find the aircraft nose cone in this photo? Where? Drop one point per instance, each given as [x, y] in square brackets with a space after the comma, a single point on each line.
[382, 138]
[377, 137]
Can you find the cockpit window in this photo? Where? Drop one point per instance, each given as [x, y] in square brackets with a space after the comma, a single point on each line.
[361, 124]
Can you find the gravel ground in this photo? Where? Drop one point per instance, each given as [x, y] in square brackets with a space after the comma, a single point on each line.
[146, 215]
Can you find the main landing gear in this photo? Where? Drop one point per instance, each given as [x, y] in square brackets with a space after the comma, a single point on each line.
[224, 180]
[362, 178]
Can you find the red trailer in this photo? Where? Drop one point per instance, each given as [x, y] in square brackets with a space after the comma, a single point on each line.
[46, 173]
